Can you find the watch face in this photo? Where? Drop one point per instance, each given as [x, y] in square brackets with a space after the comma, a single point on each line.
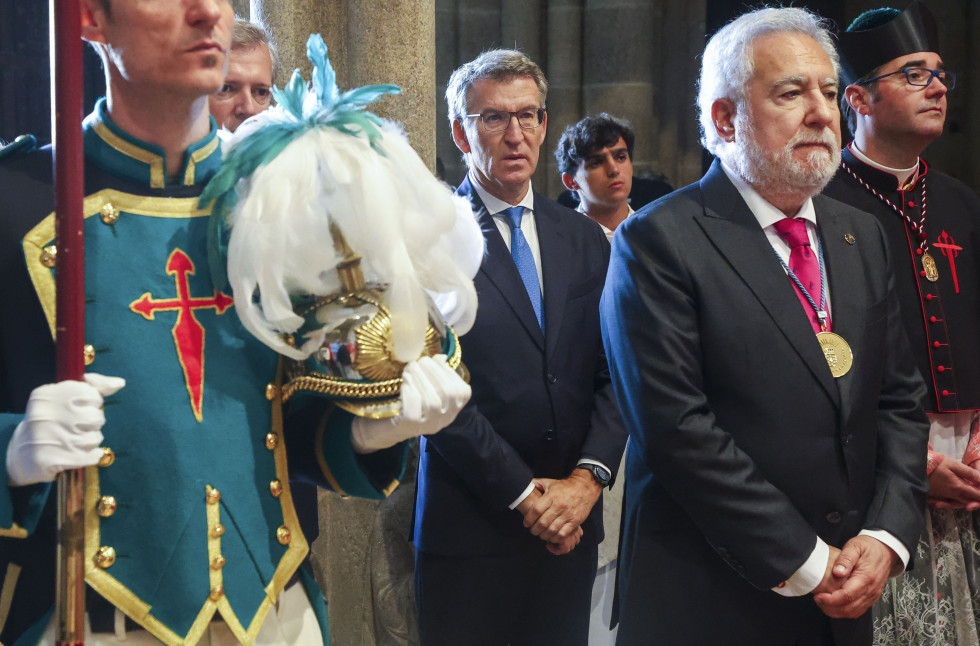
[601, 474]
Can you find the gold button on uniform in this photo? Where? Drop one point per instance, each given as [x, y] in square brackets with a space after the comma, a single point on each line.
[213, 496]
[105, 557]
[108, 457]
[275, 488]
[283, 535]
[218, 531]
[106, 506]
[271, 441]
[216, 593]
[217, 562]
[271, 391]
[88, 354]
[109, 214]
[49, 256]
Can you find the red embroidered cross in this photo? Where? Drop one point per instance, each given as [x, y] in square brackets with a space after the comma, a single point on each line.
[188, 332]
[950, 249]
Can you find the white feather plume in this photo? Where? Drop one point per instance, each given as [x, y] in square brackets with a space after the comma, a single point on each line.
[412, 233]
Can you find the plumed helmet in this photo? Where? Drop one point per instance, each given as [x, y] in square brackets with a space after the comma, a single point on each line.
[344, 253]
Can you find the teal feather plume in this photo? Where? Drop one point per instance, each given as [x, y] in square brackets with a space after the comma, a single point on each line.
[332, 109]
[291, 97]
[324, 77]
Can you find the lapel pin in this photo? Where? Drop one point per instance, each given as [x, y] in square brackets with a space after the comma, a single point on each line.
[848, 238]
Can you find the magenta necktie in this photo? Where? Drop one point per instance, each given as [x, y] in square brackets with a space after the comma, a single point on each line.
[802, 262]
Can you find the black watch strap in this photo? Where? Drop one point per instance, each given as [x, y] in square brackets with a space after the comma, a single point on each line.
[599, 473]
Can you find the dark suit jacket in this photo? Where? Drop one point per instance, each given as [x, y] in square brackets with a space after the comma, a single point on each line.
[744, 447]
[540, 402]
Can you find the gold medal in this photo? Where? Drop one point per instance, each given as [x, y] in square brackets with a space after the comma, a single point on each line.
[837, 353]
[932, 273]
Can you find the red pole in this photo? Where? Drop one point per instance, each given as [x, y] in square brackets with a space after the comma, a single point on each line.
[67, 87]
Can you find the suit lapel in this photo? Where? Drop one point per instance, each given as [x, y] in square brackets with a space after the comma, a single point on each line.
[733, 229]
[554, 269]
[847, 301]
[499, 267]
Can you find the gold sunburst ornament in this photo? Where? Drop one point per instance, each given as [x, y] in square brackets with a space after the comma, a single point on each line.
[355, 362]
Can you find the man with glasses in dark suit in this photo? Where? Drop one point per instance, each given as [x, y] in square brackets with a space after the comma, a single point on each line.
[508, 513]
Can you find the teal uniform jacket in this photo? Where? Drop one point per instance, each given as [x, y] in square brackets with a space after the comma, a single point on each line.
[194, 515]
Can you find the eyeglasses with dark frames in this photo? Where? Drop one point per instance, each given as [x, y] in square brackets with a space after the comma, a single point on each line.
[919, 77]
[495, 120]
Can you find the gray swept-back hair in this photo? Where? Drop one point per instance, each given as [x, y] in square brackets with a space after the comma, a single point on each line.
[727, 64]
[496, 64]
[246, 35]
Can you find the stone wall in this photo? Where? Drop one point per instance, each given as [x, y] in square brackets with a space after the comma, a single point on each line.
[598, 55]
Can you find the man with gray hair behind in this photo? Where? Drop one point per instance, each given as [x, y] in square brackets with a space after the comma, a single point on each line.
[252, 67]
[776, 467]
[508, 511]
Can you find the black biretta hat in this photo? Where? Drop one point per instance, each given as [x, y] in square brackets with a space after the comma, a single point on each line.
[880, 35]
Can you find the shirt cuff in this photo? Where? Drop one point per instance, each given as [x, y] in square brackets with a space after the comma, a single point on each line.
[520, 498]
[810, 574]
[892, 542]
[591, 461]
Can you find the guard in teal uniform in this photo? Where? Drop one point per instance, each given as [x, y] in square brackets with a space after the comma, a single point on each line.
[188, 512]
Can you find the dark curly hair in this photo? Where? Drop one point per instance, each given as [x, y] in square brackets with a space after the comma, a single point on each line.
[586, 136]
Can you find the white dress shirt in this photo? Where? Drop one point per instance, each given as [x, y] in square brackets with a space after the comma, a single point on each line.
[609, 232]
[496, 206]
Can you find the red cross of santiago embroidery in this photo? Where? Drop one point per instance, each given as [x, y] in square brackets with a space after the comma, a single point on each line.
[950, 249]
[188, 332]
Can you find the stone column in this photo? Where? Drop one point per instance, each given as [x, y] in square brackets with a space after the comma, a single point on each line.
[640, 63]
[679, 43]
[362, 558]
[466, 28]
[395, 42]
[242, 8]
[368, 42]
[447, 47]
[565, 59]
[291, 22]
[523, 26]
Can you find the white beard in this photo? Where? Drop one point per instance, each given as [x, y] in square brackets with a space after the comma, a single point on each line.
[779, 174]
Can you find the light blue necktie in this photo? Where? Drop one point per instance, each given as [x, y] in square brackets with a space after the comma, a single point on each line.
[521, 253]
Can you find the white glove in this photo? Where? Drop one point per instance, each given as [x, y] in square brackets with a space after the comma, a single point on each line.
[432, 394]
[61, 430]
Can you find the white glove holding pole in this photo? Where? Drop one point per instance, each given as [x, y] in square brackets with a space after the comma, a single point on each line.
[432, 394]
[61, 430]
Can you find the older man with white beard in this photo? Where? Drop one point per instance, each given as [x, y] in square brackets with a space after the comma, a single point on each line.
[775, 467]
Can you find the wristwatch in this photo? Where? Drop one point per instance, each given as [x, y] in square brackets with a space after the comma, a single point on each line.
[599, 473]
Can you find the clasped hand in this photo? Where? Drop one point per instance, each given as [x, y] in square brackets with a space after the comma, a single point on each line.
[954, 485]
[556, 509]
[855, 577]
